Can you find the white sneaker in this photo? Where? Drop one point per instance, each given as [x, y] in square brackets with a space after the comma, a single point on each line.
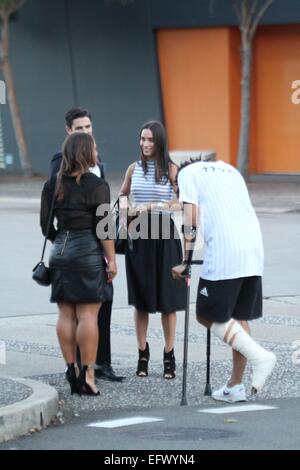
[230, 394]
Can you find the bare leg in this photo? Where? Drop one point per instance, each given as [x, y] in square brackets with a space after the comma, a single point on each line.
[168, 322]
[87, 337]
[66, 331]
[141, 320]
[239, 362]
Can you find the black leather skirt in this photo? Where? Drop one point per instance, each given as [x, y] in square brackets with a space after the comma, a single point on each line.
[77, 266]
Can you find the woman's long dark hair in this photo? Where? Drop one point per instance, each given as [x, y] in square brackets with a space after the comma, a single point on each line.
[78, 155]
[161, 149]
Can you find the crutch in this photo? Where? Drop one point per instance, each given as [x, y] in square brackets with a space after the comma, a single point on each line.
[207, 390]
[186, 331]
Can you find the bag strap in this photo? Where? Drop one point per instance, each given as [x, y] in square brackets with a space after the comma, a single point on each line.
[48, 224]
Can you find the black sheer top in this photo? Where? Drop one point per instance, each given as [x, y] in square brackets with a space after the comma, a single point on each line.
[78, 208]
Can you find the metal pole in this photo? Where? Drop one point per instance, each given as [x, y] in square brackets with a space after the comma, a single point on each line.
[186, 335]
[207, 390]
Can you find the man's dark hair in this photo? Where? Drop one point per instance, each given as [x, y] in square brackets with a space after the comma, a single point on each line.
[189, 162]
[75, 113]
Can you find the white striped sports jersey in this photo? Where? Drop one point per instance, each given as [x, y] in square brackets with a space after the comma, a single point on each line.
[145, 189]
[229, 224]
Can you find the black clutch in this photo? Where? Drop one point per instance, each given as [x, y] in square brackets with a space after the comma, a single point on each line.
[41, 274]
[120, 232]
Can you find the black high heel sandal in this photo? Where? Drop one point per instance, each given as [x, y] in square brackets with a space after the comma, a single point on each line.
[142, 367]
[83, 387]
[169, 365]
[71, 378]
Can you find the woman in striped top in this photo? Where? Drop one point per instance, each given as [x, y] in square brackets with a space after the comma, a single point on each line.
[151, 288]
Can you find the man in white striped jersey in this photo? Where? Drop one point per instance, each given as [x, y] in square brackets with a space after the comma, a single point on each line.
[230, 286]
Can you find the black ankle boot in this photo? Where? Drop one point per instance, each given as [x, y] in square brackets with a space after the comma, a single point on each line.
[169, 365]
[83, 387]
[71, 378]
[142, 367]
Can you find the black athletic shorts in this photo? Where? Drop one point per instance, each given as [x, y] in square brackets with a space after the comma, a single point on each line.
[219, 301]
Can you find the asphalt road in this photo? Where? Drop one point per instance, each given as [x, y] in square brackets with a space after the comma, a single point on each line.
[179, 428]
[21, 244]
[176, 428]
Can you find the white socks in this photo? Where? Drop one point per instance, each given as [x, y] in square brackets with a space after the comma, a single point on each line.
[262, 361]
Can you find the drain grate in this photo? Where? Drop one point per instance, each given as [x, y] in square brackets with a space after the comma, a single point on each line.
[183, 434]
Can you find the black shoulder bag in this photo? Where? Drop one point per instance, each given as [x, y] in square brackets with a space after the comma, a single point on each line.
[41, 273]
[120, 242]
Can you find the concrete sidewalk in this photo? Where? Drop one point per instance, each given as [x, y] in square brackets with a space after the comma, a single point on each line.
[33, 391]
[33, 352]
[266, 194]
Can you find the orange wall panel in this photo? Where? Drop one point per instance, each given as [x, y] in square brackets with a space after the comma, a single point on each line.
[200, 79]
[276, 144]
[195, 81]
[234, 92]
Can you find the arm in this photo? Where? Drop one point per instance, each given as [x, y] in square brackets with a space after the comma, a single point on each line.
[110, 255]
[126, 185]
[125, 190]
[102, 197]
[190, 224]
[55, 164]
[46, 201]
[189, 195]
[174, 204]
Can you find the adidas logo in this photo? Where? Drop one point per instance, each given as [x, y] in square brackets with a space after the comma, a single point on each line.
[204, 292]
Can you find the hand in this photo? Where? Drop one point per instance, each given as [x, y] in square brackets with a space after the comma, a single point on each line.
[111, 270]
[175, 206]
[179, 272]
[141, 208]
[159, 206]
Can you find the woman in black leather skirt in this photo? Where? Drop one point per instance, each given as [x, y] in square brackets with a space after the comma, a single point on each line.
[77, 259]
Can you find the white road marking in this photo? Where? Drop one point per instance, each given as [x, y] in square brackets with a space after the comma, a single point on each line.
[20, 200]
[117, 423]
[237, 409]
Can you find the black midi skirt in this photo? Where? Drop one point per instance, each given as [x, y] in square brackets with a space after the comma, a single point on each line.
[77, 267]
[149, 262]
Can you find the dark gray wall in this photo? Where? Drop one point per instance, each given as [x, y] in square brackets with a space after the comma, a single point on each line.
[40, 60]
[195, 13]
[93, 54]
[100, 55]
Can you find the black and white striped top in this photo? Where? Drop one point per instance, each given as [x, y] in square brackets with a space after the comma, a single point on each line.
[145, 189]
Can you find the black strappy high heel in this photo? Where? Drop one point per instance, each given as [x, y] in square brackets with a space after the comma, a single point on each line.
[169, 365]
[144, 356]
[83, 387]
[71, 378]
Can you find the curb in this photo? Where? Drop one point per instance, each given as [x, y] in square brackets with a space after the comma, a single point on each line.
[276, 210]
[35, 412]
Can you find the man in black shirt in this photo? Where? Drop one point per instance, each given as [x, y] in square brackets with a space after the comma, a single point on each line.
[80, 120]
